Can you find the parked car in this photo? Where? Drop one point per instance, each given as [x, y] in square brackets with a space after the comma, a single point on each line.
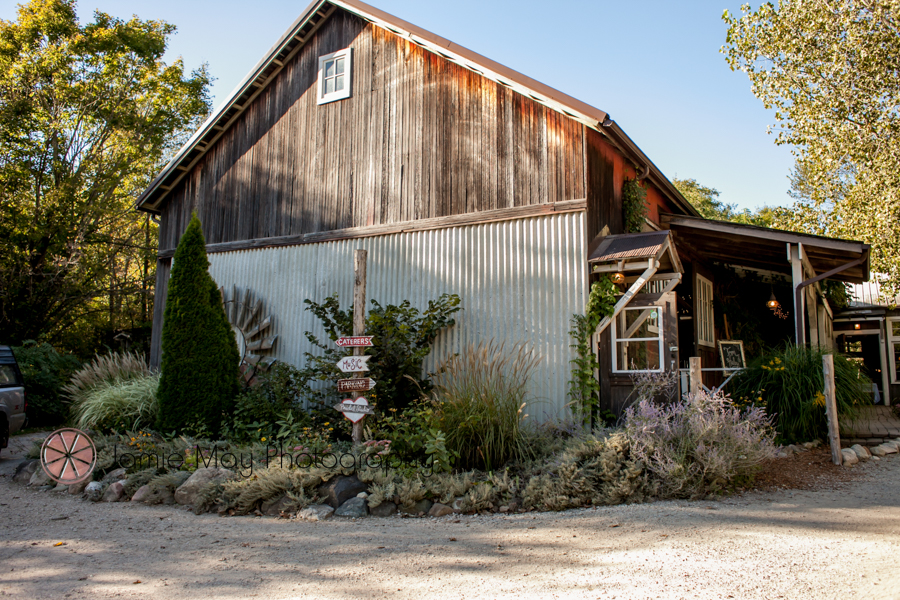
[12, 396]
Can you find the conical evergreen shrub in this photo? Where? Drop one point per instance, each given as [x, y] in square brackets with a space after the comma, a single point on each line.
[200, 370]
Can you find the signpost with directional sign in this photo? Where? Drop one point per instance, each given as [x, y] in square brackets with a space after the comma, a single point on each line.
[353, 364]
[355, 409]
[361, 341]
[355, 385]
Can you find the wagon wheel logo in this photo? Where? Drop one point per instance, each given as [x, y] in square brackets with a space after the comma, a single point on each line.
[252, 330]
[68, 456]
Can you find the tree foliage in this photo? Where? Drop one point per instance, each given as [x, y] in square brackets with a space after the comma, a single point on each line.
[831, 72]
[706, 201]
[200, 359]
[88, 114]
[402, 340]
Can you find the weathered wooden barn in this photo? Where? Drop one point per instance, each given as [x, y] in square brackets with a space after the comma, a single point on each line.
[458, 175]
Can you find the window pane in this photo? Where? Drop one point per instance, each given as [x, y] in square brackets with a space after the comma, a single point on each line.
[638, 356]
[339, 69]
[329, 86]
[895, 329]
[7, 375]
[897, 359]
[329, 68]
[640, 323]
[339, 83]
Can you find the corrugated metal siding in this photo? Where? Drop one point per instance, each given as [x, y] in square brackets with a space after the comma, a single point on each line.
[518, 280]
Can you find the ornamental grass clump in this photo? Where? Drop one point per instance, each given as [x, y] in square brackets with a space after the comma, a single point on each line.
[789, 383]
[123, 405]
[112, 368]
[699, 445]
[479, 404]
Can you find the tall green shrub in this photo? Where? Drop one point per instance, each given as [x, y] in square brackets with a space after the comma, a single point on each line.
[200, 370]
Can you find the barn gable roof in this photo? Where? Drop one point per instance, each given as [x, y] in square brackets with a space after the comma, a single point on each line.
[306, 26]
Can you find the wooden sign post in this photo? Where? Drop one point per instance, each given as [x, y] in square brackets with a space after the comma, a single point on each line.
[834, 430]
[359, 323]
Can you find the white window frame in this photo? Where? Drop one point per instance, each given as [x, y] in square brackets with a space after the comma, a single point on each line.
[704, 313]
[347, 55]
[891, 340]
[614, 336]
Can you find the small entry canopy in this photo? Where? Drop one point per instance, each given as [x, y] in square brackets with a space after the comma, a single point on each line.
[652, 253]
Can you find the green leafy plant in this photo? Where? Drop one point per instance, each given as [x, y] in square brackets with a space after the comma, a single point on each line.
[200, 376]
[479, 400]
[634, 206]
[123, 405]
[45, 371]
[584, 388]
[789, 383]
[402, 339]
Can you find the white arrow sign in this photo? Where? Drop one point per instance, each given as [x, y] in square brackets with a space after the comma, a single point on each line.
[355, 408]
[353, 364]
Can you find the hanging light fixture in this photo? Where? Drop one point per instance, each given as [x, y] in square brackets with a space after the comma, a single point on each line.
[773, 301]
[618, 278]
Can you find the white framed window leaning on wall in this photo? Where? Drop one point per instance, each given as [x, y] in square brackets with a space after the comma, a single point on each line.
[703, 309]
[637, 337]
[893, 334]
[335, 76]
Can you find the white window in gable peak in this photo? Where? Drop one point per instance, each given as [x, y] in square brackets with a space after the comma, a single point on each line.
[335, 75]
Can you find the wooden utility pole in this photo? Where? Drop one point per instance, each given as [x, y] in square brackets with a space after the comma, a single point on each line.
[695, 376]
[834, 431]
[359, 322]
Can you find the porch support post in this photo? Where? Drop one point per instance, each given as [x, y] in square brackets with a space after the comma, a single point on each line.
[795, 256]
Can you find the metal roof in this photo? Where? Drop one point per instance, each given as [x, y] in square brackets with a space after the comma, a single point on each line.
[629, 246]
[761, 248]
[304, 28]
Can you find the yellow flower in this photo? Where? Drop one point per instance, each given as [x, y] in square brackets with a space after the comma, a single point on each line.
[759, 399]
[262, 439]
[819, 400]
[778, 360]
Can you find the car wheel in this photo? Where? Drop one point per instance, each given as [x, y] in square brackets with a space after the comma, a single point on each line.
[4, 433]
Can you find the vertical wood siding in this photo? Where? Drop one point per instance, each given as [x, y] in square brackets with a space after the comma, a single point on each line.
[519, 281]
[419, 137]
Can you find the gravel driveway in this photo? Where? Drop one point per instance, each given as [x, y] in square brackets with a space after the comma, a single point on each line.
[842, 543]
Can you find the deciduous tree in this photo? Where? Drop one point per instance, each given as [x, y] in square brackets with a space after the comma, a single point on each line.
[88, 114]
[830, 69]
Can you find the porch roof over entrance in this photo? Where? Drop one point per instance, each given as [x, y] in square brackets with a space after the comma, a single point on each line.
[761, 248]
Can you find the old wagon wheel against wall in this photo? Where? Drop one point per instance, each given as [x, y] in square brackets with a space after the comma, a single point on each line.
[253, 332]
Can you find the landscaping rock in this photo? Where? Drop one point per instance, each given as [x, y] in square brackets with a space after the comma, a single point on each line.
[140, 494]
[187, 492]
[878, 451]
[849, 457]
[861, 452]
[420, 507]
[94, 491]
[340, 489]
[355, 508]
[891, 447]
[317, 512]
[25, 469]
[114, 475]
[385, 509]
[274, 508]
[115, 492]
[78, 488]
[61, 487]
[39, 478]
[440, 510]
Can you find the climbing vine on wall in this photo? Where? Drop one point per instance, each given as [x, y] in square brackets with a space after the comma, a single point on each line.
[634, 206]
[584, 389]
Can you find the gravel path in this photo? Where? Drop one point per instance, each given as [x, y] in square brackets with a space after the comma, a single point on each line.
[842, 543]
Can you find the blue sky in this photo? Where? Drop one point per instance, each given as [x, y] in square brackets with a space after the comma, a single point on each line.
[654, 66]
